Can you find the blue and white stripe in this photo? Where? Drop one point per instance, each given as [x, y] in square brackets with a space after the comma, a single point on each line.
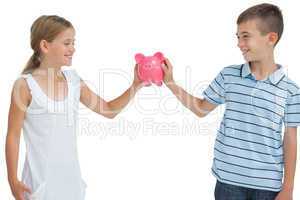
[249, 148]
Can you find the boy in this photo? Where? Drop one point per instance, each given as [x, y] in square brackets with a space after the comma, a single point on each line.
[249, 153]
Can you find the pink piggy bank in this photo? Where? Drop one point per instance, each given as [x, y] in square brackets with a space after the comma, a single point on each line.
[150, 68]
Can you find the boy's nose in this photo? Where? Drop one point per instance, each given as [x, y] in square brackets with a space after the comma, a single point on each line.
[240, 44]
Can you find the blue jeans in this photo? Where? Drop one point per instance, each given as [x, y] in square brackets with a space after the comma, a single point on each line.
[225, 191]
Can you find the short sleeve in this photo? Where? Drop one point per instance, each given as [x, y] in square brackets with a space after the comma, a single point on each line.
[215, 92]
[292, 110]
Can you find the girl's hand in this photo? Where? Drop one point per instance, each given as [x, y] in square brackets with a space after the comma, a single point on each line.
[137, 83]
[18, 190]
[168, 72]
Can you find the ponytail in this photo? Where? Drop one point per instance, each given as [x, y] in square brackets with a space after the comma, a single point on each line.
[33, 63]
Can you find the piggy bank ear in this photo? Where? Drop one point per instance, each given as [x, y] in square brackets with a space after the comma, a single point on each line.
[159, 56]
[139, 57]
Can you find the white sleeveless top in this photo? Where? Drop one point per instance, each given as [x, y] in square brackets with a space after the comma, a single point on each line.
[51, 167]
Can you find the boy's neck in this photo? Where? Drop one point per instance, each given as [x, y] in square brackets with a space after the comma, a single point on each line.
[262, 69]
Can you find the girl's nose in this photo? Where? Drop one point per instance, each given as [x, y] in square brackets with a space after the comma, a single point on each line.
[72, 49]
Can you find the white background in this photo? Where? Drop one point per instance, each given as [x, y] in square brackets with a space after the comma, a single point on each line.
[150, 151]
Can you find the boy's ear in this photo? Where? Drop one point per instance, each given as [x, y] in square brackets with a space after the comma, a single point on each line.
[44, 46]
[139, 57]
[273, 38]
[159, 56]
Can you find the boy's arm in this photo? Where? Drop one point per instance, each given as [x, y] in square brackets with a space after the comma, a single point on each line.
[112, 108]
[290, 157]
[291, 121]
[200, 107]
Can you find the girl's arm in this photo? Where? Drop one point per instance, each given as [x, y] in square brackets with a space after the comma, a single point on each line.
[112, 108]
[20, 99]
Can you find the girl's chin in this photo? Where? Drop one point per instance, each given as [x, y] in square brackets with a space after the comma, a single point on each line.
[67, 64]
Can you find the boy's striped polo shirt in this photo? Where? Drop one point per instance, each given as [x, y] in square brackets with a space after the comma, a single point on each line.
[249, 147]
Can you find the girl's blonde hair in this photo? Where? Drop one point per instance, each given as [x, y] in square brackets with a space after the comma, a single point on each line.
[46, 27]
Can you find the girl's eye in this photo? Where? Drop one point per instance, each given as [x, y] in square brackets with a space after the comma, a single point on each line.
[67, 44]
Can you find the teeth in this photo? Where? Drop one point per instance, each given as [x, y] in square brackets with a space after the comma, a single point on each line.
[245, 51]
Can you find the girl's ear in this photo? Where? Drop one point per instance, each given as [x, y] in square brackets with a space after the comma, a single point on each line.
[44, 46]
[159, 56]
[139, 57]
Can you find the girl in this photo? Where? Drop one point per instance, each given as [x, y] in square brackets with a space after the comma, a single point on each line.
[44, 102]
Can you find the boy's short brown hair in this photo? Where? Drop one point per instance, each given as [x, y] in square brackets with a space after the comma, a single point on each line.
[270, 17]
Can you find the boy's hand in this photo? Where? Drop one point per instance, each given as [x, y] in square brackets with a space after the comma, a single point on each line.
[18, 190]
[168, 72]
[284, 195]
[137, 83]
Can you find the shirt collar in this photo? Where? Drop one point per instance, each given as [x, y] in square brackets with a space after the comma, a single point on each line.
[274, 78]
